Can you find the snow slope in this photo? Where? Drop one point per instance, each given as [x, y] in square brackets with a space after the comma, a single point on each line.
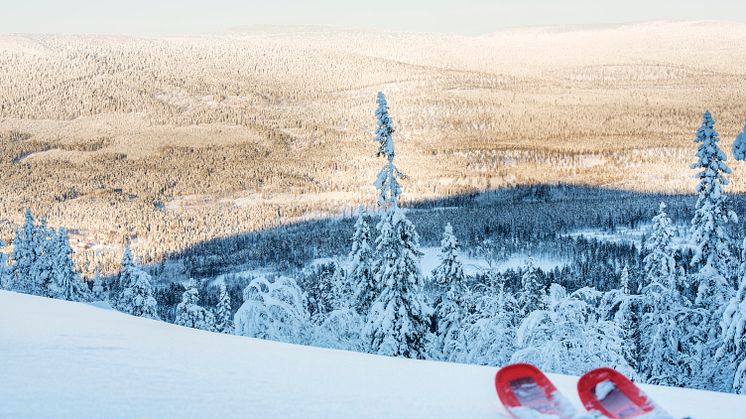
[62, 359]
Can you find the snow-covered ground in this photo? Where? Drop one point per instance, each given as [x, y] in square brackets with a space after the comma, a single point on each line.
[62, 359]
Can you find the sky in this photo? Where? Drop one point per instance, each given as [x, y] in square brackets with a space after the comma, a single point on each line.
[466, 17]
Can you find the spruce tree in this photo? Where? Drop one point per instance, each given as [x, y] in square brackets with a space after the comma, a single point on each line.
[450, 342]
[4, 269]
[450, 268]
[67, 283]
[190, 314]
[531, 294]
[359, 272]
[732, 352]
[712, 255]
[100, 293]
[739, 145]
[223, 311]
[490, 331]
[398, 322]
[137, 295]
[659, 262]
[386, 182]
[712, 215]
[124, 279]
[399, 319]
[26, 254]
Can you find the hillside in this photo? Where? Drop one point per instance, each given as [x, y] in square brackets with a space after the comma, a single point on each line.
[177, 140]
[62, 359]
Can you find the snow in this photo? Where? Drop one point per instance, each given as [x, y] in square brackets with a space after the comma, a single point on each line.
[64, 359]
[603, 389]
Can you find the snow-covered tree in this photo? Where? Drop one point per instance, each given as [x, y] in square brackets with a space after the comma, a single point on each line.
[137, 294]
[274, 310]
[26, 255]
[490, 331]
[739, 145]
[568, 337]
[100, 293]
[359, 273]
[4, 269]
[399, 319]
[449, 342]
[732, 352]
[66, 283]
[386, 182]
[124, 279]
[450, 268]
[709, 225]
[531, 294]
[223, 311]
[340, 329]
[190, 314]
[665, 335]
[623, 308]
[659, 262]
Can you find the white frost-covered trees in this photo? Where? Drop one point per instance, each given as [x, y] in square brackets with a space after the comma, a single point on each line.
[732, 351]
[709, 233]
[531, 295]
[223, 311]
[659, 263]
[190, 314]
[490, 331]
[359, 273]
[132, 291]
[449, 342]
[66, 283]
[26, 255]
[739, 145]
[387, 181]
[569, 337]
[273, 309]
[399, 318]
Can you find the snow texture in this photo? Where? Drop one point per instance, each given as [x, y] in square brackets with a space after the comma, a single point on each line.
[63, 353]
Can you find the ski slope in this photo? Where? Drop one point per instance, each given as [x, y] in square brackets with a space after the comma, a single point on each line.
[63, 359]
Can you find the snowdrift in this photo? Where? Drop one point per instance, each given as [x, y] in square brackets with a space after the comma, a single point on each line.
[62, 359]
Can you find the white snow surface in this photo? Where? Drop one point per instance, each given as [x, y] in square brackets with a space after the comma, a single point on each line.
[64, 359]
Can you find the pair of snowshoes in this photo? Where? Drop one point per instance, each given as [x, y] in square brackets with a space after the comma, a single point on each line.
[528, 394]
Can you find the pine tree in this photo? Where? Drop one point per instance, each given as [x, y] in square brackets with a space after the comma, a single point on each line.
[359, 273]
[531, 294]
[66, 282]
[223, 312]
[659, 262]
[732, 352]
[190, 314]
[626, 309]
